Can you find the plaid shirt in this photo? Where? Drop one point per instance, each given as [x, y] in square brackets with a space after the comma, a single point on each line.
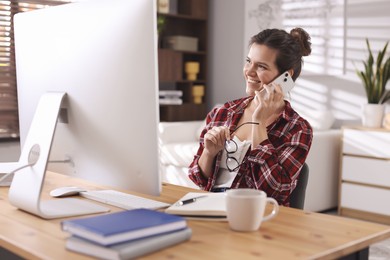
[273, 165]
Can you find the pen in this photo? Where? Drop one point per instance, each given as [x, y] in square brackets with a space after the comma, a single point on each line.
[184, 202]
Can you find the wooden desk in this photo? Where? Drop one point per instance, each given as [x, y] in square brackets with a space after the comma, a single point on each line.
[293, 234]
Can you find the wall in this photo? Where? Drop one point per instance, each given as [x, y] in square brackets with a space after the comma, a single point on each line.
[225, 50]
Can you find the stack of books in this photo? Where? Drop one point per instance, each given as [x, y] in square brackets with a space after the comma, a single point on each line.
[126, 234]
[171, 97]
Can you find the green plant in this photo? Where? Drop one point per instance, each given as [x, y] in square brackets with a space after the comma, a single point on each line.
[375, 76]
[160, 24]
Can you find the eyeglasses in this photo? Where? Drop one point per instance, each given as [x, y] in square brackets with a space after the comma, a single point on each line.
[231, 162]
[231, 147]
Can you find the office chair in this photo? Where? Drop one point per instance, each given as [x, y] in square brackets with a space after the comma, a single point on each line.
[297, 197]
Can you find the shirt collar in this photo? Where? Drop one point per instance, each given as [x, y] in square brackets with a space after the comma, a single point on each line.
[239, 108]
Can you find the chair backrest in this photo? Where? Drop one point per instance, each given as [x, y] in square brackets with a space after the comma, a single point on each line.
[297, 197]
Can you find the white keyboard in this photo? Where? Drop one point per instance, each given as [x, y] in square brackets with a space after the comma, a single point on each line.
[122, 200]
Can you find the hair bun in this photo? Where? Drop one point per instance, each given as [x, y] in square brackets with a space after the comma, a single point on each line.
[303, 38]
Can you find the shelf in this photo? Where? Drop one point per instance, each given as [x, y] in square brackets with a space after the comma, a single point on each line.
[182, 16]
[190, 21]
[188, 82]
[202, 53]
[199, 81]
[190, 9]
[184, 112]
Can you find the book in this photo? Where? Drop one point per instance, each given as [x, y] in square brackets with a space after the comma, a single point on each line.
[208, 206]
[170, 93]
[170, 101]
[128, 250]
[123, 226]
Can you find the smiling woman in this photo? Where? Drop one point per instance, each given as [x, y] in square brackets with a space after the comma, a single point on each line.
[272, 145]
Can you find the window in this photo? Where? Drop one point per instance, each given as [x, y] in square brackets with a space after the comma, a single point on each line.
[9, 123]
[338, 29]
[324, 21]
[365, 19]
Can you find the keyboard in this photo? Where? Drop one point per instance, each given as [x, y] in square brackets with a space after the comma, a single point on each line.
[122, 200]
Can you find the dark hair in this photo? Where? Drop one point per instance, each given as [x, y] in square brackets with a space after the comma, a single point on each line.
[290, 47]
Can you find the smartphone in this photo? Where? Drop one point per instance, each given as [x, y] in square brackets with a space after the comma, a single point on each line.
[285, 81]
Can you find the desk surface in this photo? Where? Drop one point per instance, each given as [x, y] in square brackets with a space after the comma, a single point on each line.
[293, 234]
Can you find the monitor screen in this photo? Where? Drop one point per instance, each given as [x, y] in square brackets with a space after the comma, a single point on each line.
[103, 55]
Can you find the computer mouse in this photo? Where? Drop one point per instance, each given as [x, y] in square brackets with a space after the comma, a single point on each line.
[66, 191]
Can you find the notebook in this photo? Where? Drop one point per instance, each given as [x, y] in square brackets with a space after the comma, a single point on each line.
[123, 226]
[131, 249]
[208, 206]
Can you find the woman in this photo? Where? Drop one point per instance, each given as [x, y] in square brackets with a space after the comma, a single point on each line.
[258, 141]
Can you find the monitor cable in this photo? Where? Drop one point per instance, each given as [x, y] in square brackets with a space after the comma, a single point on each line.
[3, 178]
[17, 169]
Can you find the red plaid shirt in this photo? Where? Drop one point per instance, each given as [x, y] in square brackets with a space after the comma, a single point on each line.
[273, 165]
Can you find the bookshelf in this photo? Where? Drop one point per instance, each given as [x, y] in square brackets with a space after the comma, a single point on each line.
[188, 21]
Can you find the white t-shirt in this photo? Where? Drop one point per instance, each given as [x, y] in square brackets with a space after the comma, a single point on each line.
[225, 178]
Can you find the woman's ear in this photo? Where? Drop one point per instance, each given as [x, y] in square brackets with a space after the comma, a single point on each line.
[291, 71]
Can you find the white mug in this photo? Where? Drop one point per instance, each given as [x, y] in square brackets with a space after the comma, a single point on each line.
[245, 209]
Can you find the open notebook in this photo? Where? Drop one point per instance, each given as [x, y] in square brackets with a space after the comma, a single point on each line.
[209, 206]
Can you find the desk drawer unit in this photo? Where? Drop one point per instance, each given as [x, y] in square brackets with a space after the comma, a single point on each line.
[366, 142]
[365, 198]
[366, 171]
[365, 174]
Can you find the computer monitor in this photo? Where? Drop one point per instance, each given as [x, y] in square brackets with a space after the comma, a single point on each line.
[103, 55]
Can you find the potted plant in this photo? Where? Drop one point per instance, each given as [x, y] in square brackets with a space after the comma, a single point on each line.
[160, 27]
[374, 77]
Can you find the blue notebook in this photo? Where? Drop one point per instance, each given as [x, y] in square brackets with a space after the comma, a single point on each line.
[131, 249]
[123, 226]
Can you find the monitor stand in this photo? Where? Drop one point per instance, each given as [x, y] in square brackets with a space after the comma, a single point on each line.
[26, 186]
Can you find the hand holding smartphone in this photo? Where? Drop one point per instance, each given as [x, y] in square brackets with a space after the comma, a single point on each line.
[285, 81]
